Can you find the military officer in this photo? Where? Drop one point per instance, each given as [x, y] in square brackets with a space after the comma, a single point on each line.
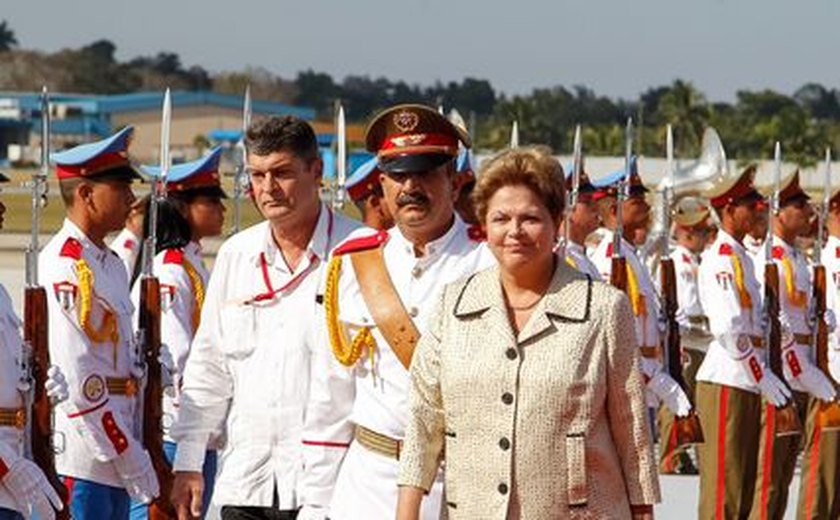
[249, 363]
[640, 289]
[365, 191]
[379, 293]
[91, 336]
[191, 211]
[583, 220]
[733, 374]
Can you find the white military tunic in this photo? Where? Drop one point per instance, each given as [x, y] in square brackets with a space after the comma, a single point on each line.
[831, 261]
[374, 393]
[576, 257]
[84, 447]
[249, 365]
[11, 438]
[728, 313]
[127, 245]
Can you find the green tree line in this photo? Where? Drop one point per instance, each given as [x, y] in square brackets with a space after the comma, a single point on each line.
[805, 122]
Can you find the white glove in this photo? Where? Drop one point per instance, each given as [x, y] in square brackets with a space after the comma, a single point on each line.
[167, 365]
[31, 491]
[670, 393]
[772, 388]
[134, 466]
[808, 376]
[834, 363]
[310, 512]
[56, 385]
[830, 320]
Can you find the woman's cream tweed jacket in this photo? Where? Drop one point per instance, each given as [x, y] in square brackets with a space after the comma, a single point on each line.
[548, 425]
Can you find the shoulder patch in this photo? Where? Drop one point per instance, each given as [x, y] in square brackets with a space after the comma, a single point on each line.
[686, 258]
[778, 252]
[837, 252]
[129, 243]
[610, 249]
[725, 249]
[72, 248]
[362, 243]
[173, 256]
[476, 234]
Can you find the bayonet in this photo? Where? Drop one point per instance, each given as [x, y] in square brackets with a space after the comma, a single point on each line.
[572, 198]
[623, 188]
[239, 178]
[340, 160]
[514, 135]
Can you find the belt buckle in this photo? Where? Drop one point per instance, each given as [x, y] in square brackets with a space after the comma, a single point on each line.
[20, 418]
[130, 387]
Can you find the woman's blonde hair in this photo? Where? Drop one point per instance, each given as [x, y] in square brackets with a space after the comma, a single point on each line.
[533, 167]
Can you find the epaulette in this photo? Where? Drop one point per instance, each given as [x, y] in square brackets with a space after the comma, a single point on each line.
[173, 256]
[72, 248]
[725, 249]
[610, 249]
[837, 252]
[362, 243]
[476, 233]
[778, 252]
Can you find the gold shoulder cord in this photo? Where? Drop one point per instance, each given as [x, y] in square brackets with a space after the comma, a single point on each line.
[346, 354]
[107, 330]
[198, 293]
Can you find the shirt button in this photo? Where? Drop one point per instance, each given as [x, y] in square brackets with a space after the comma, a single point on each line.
[503, 489]
[416, 272]
[507, 398]
[504, 443]
[413, 312]
[511, 353]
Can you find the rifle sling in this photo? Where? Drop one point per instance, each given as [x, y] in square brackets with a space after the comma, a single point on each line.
[384, 303]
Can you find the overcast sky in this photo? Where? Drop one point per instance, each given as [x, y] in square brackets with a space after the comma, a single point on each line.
[618, 48]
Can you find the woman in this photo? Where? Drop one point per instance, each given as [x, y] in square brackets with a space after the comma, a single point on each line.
[528, 378]
[191, 211]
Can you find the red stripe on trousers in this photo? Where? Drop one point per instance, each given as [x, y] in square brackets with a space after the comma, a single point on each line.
[720, 488]
[769, 441]
[812, 473]
[69, 482]
[672, 445]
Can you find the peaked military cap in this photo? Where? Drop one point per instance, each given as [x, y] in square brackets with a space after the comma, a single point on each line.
[791, 190]
[734, 189]
[413, 138]
[586, 190]
[108, 157]
[607, 186]
[201, 174]
[689, 212]
[363, 180]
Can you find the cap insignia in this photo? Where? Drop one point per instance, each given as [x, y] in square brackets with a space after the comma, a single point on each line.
[406, 121]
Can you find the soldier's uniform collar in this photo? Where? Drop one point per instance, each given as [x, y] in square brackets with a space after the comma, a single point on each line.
[435, 247]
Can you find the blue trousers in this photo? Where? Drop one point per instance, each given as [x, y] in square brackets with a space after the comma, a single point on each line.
[9, 514]
[92, 501]
[140, 511]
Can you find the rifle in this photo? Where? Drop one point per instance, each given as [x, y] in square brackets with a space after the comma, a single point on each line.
[828, 413]
[149, 337]
[240, 176]
[572, 196]
[787, 418]
[340, 192]
[688, 429]
[39, 426]
[618, 267]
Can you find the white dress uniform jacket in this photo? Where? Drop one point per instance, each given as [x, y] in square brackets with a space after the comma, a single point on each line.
[576, 257]
[728, 312]
[127, 245]
[249, 364]
[831, 262]
[178, 318]
[686, 268]
[374, 393]
[11, 438]
[93, 424]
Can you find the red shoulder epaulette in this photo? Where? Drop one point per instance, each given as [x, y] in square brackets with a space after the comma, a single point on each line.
[778, 252]
[362, 243]
[725, 249]
[72, 248]
[610, 249]
[476, 234]
[837, 252]
[173, 256]
[686, 258]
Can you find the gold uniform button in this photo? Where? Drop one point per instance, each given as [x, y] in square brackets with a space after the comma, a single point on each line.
[416, 272]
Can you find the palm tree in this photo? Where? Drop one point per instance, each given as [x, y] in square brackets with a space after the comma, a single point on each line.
[7, 37]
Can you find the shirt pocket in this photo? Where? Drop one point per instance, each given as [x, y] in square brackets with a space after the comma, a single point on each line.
[577, 493]
[238, 327]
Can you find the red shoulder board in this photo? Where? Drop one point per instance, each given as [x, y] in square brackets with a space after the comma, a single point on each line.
[837, 252]
[173, 256]
[72, 248]
[362, 243]
[129, 243]
[686, 258]
[725, 249]
[610, 249]
[778, 252]
[476, 234]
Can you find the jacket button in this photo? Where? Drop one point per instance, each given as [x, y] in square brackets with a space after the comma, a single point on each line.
[413, 312]
[511, 353]
[416, 271]
[507, 398]
[504, 443]
[503, 489]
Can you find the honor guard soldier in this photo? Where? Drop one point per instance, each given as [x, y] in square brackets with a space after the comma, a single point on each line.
[819, 494]
[689, 218]
[466, 184]
[379, 293]
[583, 220]
[640, 289]
[364, 190]
[249, 363]
[191, 211]
[733, 375]
[777, 455]
[127, 243]
[24, 490]
[91, 338]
